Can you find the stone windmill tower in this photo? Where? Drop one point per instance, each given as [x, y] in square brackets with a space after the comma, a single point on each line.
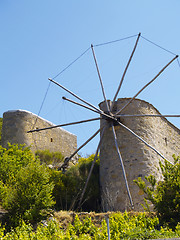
[131, 133]
[139, 157]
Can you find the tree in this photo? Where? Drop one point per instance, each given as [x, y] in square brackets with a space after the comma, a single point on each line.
[1, 121]
[165, 194]
[54, 158]
[68, 186]
[25, 189]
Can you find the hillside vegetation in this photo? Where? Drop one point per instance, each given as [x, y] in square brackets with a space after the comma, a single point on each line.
[29, 189]
[165, 194]
[34, 195]
[92, 226]
[1, 121]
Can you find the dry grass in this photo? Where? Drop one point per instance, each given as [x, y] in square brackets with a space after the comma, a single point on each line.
[66, 217]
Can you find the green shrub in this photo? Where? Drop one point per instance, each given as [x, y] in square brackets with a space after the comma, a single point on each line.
[26, 231]
[12, 160]
[69, 185]
[1, 121]
[50, 157]
[122, 226]
[25, 190]
[165, 194]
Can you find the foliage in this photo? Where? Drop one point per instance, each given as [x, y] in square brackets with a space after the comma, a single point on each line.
[12, 160]
[49, 157]
[25, 190]
[1, 121]
[27, 186]
[165, 194]
[122, 226]
[69, 185]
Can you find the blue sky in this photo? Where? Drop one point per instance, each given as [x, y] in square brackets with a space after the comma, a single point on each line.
[40, 38]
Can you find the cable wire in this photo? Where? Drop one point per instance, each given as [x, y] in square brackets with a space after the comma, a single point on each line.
[71, 63]
[178, 62]
[97, 45]
[158, 46]
[106, 43]
[41, 105]
[118, 40]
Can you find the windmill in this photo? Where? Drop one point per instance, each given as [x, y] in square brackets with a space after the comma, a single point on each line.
[111, 118]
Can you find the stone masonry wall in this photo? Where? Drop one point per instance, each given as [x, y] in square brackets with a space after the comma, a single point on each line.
[139, 160]
[17, 123]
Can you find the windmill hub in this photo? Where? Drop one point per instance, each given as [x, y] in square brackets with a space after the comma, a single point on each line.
[115, 122]
[111, 121]
[109, 117]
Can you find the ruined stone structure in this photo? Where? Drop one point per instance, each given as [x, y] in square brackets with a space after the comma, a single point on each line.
[17, 123]
[139, 160]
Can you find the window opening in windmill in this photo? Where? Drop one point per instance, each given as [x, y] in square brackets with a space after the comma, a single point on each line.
[51, 139]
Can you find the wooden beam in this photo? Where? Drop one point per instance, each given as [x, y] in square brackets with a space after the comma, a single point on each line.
[125, 71]
[63, 125]
[147, 144]
[146, 85]
[99, 75]
[122, 165]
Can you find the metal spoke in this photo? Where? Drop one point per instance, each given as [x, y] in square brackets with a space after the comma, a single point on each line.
[107, 116]
[79, 104]
[146, 115]
[89, 139]
[63, 125]
[122, 165]
[73, 94]
[102, 87]
[91, 169]
[146, 85]
[125, 71]
[147, 144]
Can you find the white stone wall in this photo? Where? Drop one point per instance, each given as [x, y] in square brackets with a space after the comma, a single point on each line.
[17, 123]
[139, 160]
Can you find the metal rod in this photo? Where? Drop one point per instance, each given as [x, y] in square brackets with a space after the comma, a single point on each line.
[89, 139]
[147, 144]
[99, 75]
[147, 85]
[99, 110]
[73, 94]
[108, 228]
[102, 113]
[125, 70]
[91, 169]
[82, 105]
[122, 165]
[63, 125]
[146, 115]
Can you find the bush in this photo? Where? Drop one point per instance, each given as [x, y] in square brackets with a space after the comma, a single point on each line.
[25, 190]
[1, 121]
[165, 194]
[69, 185]
[27, 187]
[50, 157]
[122, 226]
[12, 160]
